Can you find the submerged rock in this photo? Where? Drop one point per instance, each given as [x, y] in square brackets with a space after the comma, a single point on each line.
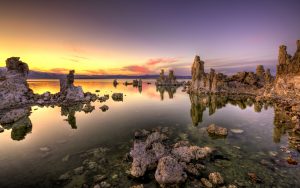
[216, 178]
[65, 177]
[169, 171]
[206, 183]
[79, 170]
[216, 130]
[254, 178]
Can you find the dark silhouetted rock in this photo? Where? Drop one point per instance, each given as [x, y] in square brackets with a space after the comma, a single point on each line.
[104, 108]
[117, 96]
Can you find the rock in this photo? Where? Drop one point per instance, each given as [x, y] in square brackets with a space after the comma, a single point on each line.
[141, 133]
[104, 184]
[241, 82]
[186, 154]
[254, 178]
[97, 90]
[104, 108]
[68, 91]
[137, 186]
[181, 143]
[66, 158]
[237, 131]
[92, 165]
[232, 186]
[78, 171]
[201, 152]
[88, 108]
[115, 83]
[155, 137]
[167, 81]
[104, 98]
[192, 169]
[169, 171]
[206, 183]
[99, 178]
[216, 178]
[159, 150]
[14, 115]
[117, 96]
[287, 83]
[44, 149]
[65, 177]
[216, 130]
[183, 153]
[14, 90]
[260, 71]
[291, 161]
[143, 159]
[1, 129]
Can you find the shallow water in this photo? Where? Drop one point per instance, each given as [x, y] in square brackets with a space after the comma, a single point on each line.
[60, 136]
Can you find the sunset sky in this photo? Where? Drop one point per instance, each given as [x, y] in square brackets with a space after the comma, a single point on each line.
[140, 37]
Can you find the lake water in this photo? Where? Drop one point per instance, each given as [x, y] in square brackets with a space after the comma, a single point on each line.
[61, 137]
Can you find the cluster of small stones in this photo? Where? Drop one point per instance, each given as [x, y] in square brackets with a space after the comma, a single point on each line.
[94, 161]
[174, 164]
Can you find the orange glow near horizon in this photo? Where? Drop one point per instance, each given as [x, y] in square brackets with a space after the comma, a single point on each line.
[57, 58]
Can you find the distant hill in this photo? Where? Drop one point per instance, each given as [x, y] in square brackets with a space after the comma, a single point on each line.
[46, 75]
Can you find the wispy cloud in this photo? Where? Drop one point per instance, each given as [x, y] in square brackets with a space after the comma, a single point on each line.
[76, 58]
[59, 70]
[156, 61]
[137, 69]
[97, 72]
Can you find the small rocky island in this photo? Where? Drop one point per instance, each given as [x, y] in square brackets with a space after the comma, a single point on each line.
[15, 92]
[169, 80]
[239, 83]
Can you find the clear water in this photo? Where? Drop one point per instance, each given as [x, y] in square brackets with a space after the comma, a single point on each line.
[55, 145]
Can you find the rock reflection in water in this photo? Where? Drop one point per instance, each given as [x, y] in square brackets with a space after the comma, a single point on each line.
[171, 90]
[283, 122]
[70, 111]
[18, 121]
[199, 103]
